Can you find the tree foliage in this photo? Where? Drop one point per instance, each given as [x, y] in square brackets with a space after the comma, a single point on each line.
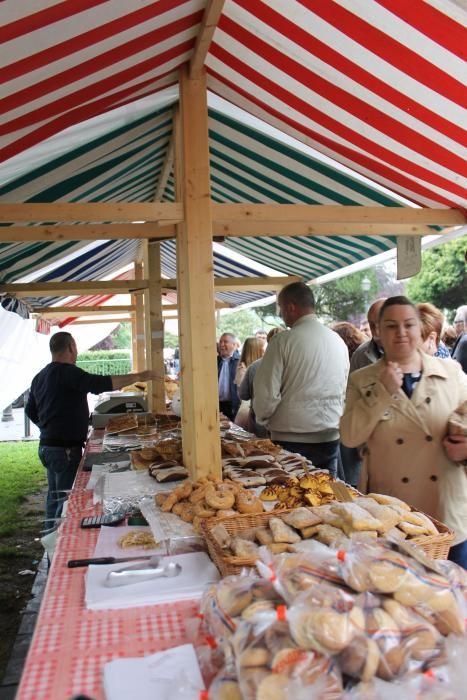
[244, 323]
[442, 280]
[344, 299]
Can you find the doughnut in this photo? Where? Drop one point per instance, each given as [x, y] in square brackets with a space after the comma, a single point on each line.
[248, 503]
[201, 511]
[219, 500]
[197, 494]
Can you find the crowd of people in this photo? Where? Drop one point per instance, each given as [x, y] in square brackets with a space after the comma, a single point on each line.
[370, 404]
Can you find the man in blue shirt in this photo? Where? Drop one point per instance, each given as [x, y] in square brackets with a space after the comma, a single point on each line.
[227, 361]
[58, 405]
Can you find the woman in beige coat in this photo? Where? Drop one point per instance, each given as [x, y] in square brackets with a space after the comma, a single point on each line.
[399, 407]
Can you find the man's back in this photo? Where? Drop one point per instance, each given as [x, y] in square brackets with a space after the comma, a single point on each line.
[300, 385]
[58, 402]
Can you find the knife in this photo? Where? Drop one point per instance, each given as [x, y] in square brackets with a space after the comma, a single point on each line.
[73, 563]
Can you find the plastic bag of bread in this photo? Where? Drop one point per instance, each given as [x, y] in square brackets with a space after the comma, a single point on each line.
[294, 573]
[325, 619]
[223, 603]
[270, 664]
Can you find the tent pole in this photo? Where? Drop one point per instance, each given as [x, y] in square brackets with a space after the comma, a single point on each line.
[195, 283]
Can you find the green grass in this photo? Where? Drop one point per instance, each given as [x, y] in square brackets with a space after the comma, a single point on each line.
[21, 473]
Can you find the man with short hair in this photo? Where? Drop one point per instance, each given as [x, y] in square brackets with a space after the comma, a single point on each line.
[459, 349]
[262, 336]
[371, 350]
[227, 361]
[58, 405]
[299, 386]
[460, 320]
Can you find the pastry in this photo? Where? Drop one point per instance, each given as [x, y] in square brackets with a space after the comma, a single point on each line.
[281, 532]
[301, 518]
[263, 535]
[221, 536]
[386, 500]
[244, 548]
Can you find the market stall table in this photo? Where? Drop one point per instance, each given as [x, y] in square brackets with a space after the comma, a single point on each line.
[71, 644]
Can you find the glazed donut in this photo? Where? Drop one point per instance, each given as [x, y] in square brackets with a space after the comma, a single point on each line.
[202, 512]
[248, 503]
[219, 500]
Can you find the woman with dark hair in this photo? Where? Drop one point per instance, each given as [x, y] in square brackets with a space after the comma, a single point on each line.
[400, 408]
[351, 336]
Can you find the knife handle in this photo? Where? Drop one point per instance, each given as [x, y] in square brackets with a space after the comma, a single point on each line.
[73, 563]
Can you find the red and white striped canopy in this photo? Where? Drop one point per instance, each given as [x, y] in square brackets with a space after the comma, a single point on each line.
[378, 85]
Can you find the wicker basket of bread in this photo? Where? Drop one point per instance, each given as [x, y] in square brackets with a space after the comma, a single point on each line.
[233, 542]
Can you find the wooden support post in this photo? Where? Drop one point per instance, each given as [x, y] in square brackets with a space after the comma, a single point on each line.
[139, 313]
[155, 326]
[200, 403]
[133, 337]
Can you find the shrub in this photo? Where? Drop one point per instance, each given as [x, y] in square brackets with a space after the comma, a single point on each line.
[105, 361]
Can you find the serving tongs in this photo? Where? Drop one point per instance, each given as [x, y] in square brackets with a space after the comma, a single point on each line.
[143, 571]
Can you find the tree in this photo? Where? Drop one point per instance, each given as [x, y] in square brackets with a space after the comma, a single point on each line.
[242, 323]
[121, 336]
[442, 280]
[344, 298]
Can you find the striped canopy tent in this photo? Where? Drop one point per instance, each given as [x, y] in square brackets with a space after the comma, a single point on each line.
[246, 166]
[375, 87]
[334, 130]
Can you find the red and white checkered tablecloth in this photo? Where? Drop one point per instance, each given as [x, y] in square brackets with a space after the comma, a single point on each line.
[71, 644]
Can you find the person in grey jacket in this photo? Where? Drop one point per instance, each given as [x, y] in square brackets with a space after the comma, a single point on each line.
[300, 383]
[370, 351]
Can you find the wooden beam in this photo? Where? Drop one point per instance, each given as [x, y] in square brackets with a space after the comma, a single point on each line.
[140, 327]
[199, 385]
[242, 284]
[84, 232]
[91, 211]
[121, 319]
[165, 173]
[211, 17]
[69, 289]
[64, 311]
[320, 213]
[155, 327]
[219, 305]
[303, 228]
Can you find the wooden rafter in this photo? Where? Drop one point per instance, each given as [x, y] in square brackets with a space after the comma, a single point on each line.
[242, 284]
[65, 311]
[84, 232]
[311, 214]
[211, 17]
[165, 172]
[68, 289]
[91, 211]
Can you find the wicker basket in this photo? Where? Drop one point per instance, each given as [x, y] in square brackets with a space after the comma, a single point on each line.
[229, 565]
[435, 546]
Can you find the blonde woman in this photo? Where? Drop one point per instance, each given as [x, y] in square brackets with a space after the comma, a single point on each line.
[253, 349]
